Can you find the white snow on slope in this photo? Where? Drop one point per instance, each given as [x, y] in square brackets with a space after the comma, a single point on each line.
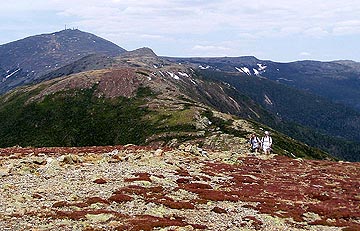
[244, 70]
[8, 76]
[261, 67]
[193, 82]
[172, 75]
[256, 72]
[268, 100]
[162, 74]
[183, 74]
[204, 68]
[239, 70]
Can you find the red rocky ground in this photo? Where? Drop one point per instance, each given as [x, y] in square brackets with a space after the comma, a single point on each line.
[138, 188]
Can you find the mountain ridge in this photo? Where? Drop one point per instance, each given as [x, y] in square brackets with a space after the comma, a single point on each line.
[162, 90]
[335, 80]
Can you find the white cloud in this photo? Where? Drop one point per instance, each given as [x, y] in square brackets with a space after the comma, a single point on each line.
[347, 27]
[274, 18]
[187, 23]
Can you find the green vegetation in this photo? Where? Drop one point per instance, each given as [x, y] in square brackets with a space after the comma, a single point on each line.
[225, 125]
[168, 124]
[73, 118]
[78, 118]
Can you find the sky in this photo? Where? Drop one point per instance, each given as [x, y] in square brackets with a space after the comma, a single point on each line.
[278, 30]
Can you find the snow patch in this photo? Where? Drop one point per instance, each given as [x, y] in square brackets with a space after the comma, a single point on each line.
[183, 74]
[172, 75]
[8, 76]
[246, 70]
[268, 100]
[162, 74]
[155, 66]
[256, 72]
[193, 82]
[239, 70]
[233, 100]
[204, 68]
[261, 67]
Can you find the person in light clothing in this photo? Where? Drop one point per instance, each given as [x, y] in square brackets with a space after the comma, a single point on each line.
[266, 142]
[255, 143]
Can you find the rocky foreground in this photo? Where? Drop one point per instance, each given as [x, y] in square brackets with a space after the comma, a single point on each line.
[140, 188]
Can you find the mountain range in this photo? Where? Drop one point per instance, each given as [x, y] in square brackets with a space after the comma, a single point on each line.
[72, 88]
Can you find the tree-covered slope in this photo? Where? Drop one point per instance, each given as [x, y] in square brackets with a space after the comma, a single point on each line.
[303, 116]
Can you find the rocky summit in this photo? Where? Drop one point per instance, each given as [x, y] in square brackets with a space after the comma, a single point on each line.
[185, 188]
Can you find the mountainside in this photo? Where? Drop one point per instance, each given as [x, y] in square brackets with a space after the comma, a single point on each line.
[139, 99]
[303, 116]
[25, 60]
[338, 81]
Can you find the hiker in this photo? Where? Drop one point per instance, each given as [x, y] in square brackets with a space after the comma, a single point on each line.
[266, 142]
[255, 143]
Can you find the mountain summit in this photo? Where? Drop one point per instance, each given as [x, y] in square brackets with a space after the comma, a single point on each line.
[141, 52]
[24, 60]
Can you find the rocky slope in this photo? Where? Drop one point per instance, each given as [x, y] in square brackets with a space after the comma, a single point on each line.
[143, 188]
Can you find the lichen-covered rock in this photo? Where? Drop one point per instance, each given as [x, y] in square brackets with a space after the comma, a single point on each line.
[70, 159]
[5, 171]
[179, 190]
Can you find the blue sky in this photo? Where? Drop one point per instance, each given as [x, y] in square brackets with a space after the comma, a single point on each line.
[279, 30]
